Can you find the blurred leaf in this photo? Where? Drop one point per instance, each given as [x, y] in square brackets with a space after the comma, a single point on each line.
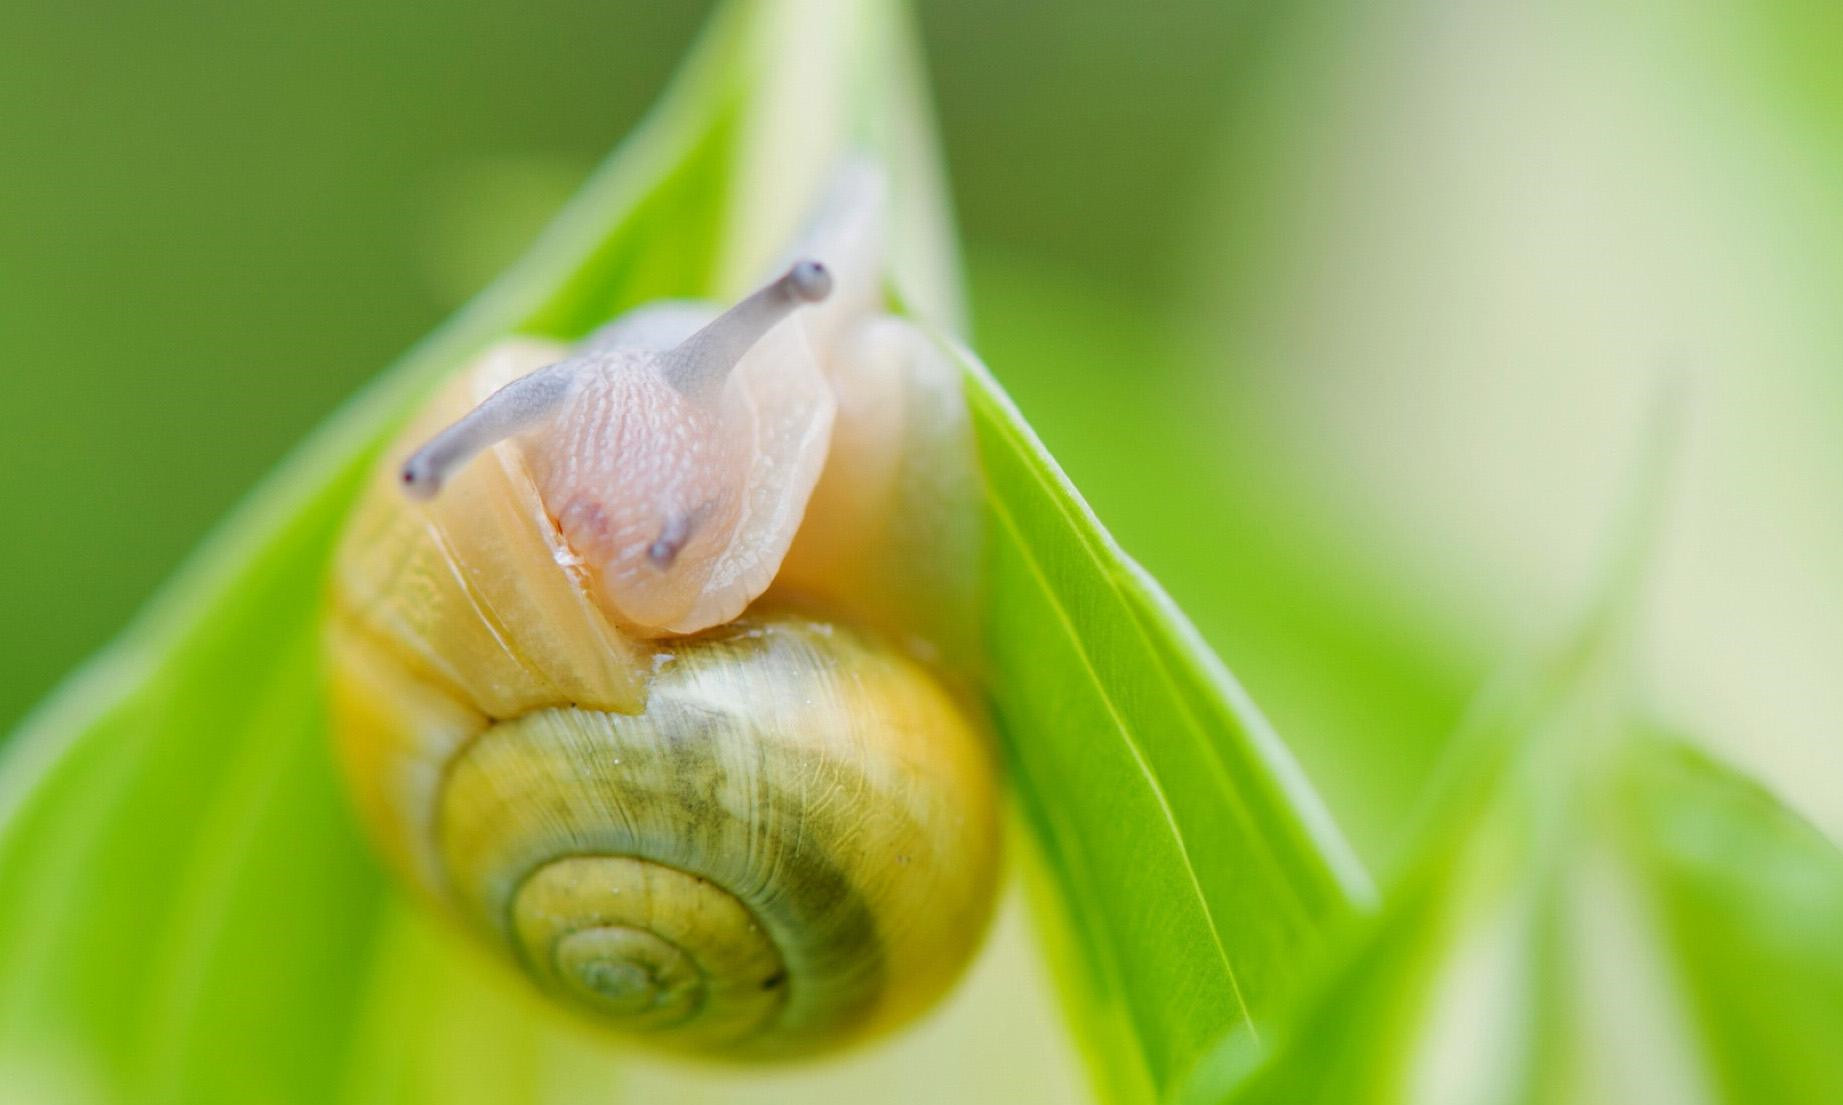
[1750, 899]
[1600, 915]
[1197, 872]
[1597, 914]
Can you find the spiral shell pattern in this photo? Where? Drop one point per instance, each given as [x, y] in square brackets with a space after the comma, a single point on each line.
[792, 847]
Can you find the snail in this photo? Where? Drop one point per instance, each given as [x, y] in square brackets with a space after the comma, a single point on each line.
[635, 663]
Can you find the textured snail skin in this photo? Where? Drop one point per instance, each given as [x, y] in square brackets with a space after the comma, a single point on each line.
[771, 839]
[476, 591]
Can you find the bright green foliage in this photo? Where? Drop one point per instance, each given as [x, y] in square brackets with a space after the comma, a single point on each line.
[1197, 869]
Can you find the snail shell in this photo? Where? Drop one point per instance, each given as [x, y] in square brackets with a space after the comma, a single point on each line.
[742, 826]
[793, 847]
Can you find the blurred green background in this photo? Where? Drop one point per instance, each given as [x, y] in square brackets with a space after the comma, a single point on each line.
[1346, 316]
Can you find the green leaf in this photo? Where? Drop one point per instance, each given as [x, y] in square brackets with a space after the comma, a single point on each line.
[1749, 899]
[1603, 915]
[1195, 867]
[187, 914]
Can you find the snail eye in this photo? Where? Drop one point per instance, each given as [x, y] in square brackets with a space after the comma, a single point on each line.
[665, 548]
[520, 405]
[707, 357]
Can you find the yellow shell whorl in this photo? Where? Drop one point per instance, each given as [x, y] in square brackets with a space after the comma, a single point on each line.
[791, 848]
[648, 947]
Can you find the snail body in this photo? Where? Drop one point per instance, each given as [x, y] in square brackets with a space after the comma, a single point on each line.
[620, 682]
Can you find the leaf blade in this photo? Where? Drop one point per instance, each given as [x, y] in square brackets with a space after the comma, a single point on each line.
[1243, 864]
